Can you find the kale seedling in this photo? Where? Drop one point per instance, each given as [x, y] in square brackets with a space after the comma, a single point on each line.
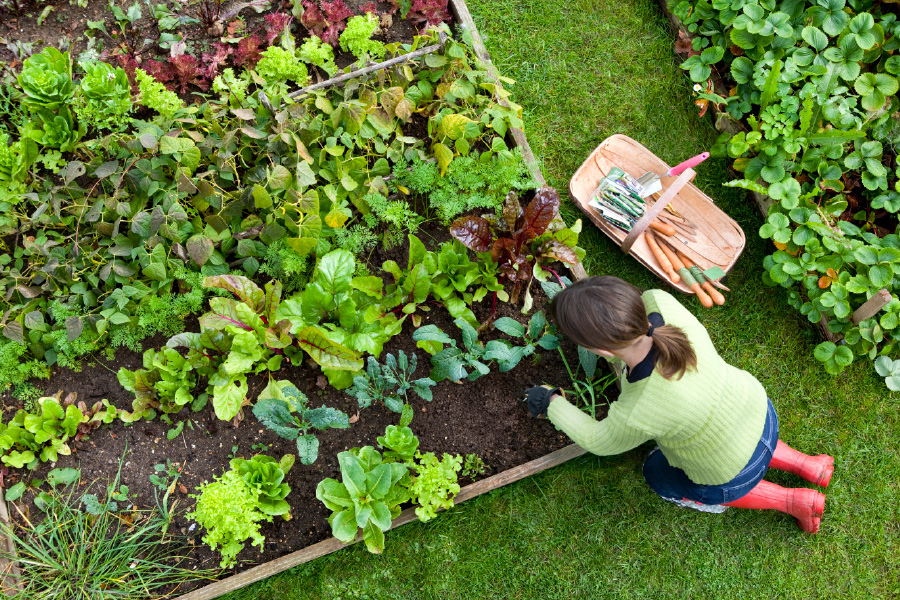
[389, 383]
[276, 407]
[538, 333]
[452, 363]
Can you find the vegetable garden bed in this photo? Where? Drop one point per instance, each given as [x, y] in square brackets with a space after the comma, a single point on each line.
[481, 418]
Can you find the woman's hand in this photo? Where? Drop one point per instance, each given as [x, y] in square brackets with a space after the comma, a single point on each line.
[538, 399]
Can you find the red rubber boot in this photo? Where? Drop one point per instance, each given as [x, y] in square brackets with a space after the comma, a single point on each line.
[815, 469]
[805, 504]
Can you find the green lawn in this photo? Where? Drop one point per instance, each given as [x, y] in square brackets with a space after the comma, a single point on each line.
[586, 69]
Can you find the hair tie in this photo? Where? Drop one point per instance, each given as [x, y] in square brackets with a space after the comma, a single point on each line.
[650, 331]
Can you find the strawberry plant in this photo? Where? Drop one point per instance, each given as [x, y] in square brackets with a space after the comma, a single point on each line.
[815, 84]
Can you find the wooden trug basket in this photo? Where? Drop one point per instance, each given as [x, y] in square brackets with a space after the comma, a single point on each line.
[719, 240]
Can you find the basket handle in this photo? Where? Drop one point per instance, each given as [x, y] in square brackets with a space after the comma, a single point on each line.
[657, 208]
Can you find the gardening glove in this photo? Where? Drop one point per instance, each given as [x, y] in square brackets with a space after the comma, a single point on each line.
[538, 399]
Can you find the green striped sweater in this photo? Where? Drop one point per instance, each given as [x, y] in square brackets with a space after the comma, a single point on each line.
[707, 423]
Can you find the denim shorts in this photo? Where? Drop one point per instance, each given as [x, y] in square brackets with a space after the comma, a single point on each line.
[672, 483]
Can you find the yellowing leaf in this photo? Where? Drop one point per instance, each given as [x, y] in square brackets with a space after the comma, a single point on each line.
[444, 156]
[453, 126]
[404, 110]
[337, 217]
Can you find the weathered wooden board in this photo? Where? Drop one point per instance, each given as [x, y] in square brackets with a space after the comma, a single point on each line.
[9, 571]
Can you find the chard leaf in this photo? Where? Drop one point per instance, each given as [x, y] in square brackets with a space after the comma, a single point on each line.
[222, 313]
[370, 286]
[417, 284]
[272, 300]
[326, 353]
[334, 271]
[229, 398]
[541, 211]
[249, 293]
[473, 232]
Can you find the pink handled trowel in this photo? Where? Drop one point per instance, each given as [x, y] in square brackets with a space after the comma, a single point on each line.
[650, 183]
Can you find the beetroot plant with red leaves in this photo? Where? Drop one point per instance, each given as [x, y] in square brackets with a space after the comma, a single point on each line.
[428, 12]
[326, 22]
[521, 239]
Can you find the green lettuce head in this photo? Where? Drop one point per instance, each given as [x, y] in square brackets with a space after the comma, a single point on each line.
[46, 79]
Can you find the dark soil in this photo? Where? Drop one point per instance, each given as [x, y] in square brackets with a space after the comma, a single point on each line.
[484, 417]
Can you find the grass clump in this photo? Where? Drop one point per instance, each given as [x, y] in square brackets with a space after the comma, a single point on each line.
[73, 554]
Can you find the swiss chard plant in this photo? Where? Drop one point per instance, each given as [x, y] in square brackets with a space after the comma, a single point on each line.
[337, 317]
[460, 282]
[411, 286]
[390, 383]
[521, 239]
[284, 409]
[238, 337]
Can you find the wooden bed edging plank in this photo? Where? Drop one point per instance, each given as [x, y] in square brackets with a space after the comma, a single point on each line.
[10, 583]
[219, 588]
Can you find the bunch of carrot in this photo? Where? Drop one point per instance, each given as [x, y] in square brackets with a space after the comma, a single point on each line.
[679, 267]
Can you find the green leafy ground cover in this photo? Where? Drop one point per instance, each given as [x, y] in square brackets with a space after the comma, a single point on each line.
[591, 528]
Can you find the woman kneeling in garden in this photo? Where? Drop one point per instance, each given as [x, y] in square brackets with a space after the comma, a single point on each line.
[717, 431]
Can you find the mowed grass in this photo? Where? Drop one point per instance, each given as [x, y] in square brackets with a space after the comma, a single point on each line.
[591, 528]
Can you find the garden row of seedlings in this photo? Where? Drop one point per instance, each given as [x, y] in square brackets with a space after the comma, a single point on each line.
[131, 212]
[807, 95]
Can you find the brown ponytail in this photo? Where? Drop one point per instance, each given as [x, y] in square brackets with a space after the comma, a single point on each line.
[607, 313]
